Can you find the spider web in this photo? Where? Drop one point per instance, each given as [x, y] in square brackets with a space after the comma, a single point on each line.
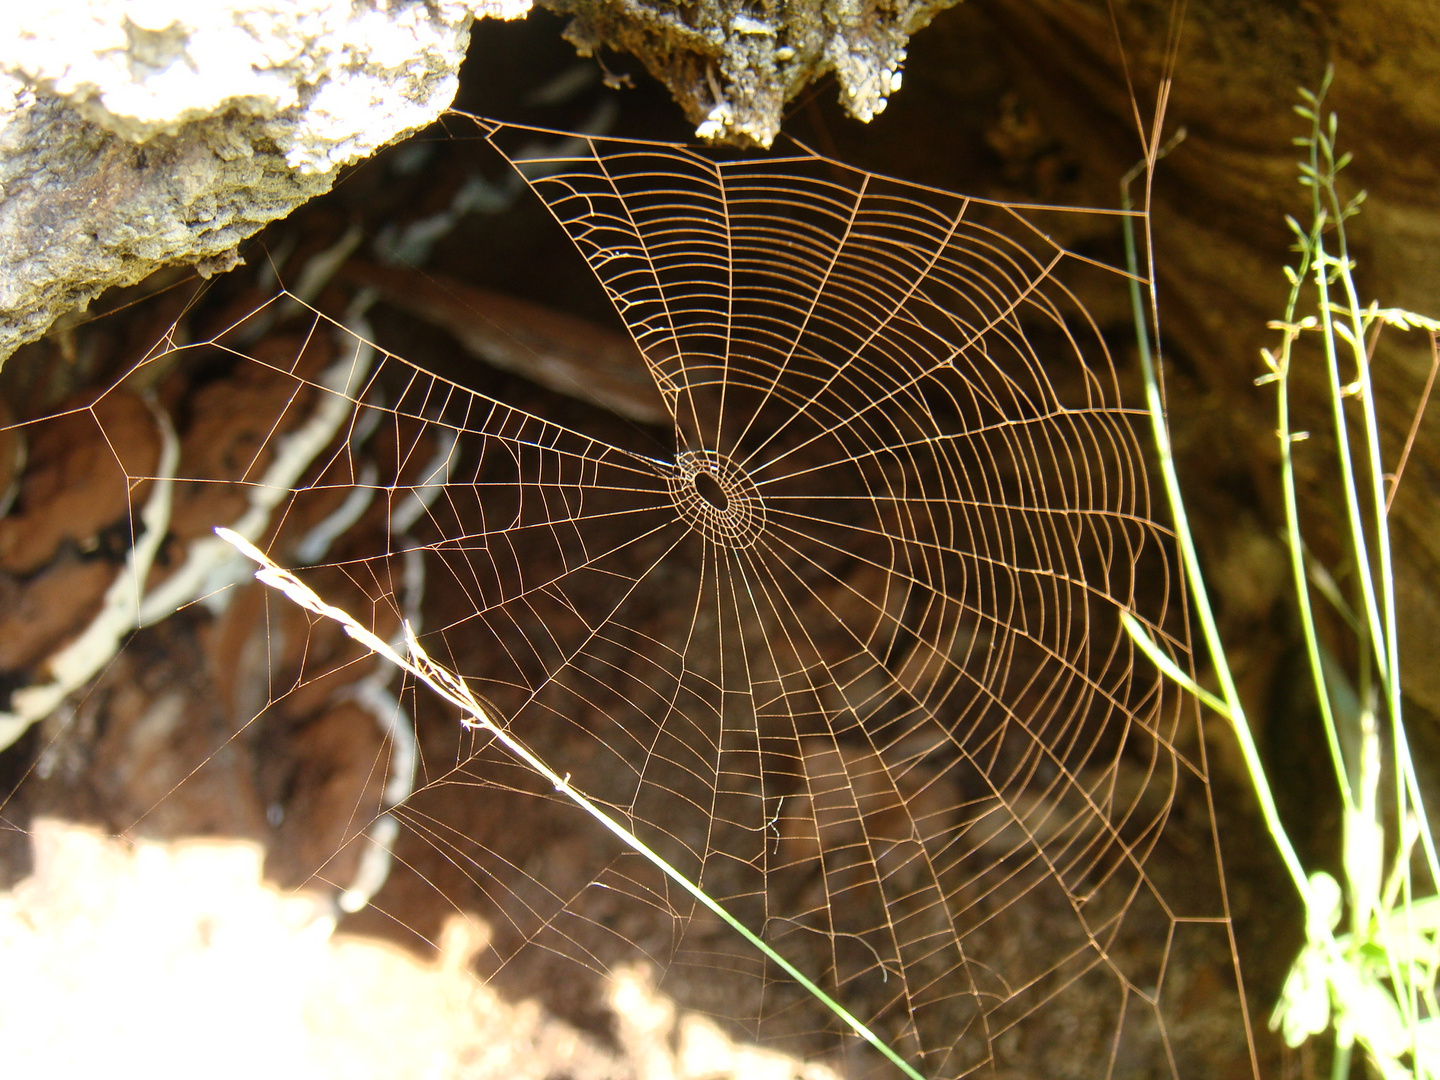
[847, 653]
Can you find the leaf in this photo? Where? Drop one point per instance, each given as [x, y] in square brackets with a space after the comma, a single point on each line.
[1325, 907]
[1422, 915]
[1304, 1006]
[1367, 1011]
[1406, 320]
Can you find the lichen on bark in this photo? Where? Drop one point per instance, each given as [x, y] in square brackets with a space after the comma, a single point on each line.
[732, 65]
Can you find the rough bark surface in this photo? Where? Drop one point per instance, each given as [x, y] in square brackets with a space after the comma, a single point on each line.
[733, 65]
[1221, 241]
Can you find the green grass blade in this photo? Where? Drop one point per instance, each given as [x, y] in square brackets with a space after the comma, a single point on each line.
[1146, 644]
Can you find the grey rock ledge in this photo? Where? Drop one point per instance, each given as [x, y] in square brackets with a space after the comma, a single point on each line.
[136, 133]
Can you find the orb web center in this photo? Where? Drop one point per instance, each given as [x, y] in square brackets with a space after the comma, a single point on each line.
[717, 498]
[711, 491]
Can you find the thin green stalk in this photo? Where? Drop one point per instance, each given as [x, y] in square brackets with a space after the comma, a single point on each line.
[1321, 268]
[1407, 992]
[1390, 660]
[1190, 560]
[1280, 368]
[1340, 1062]
[1380, 612]
[1405, 766]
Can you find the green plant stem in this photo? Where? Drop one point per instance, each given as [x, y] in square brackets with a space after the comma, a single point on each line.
[1375, 984]
[1323, 265]
[1321, 273]
[1234, 711]
[1407, 791]
[1380, 611]
[1299, 579]
[1340, 1062]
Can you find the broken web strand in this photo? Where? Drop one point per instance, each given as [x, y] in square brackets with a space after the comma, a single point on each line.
[454, 690]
